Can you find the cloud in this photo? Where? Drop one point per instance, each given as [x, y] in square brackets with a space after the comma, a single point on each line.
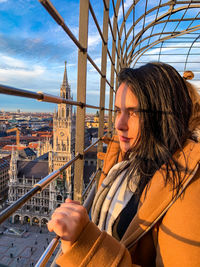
[13, 73]
[13, 62]
[34, 48]
[95, 92]
[170, 47]
[3, 1]
[93, 40]
[12, 67]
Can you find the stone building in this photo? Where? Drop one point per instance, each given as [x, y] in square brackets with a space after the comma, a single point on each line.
[4, 177]
[24, 173]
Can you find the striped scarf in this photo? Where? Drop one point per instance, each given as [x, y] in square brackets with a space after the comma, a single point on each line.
[112, 197]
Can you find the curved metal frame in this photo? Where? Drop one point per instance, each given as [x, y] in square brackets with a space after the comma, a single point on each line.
[132, 51]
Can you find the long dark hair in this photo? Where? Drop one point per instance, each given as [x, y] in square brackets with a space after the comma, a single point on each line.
[165, 109]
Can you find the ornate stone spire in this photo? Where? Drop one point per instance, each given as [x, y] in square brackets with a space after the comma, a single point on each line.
[65, 88]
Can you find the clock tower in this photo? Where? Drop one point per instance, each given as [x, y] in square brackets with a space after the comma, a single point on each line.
[62, 119]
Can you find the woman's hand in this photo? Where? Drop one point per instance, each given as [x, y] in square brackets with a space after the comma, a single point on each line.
[68, 221]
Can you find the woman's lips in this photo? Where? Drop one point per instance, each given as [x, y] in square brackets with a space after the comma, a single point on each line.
[124, 139]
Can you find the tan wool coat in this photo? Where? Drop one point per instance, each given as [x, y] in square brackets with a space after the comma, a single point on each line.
[164, 232]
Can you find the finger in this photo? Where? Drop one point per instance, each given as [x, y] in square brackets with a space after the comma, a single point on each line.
[49, 226]
[58, 226]
[71, 206]
[68, 200]
[63, 214]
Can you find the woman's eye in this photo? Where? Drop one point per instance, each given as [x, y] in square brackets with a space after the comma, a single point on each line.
[132, 114]
[118, 111]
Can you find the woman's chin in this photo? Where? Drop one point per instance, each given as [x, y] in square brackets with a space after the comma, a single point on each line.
[124, 147]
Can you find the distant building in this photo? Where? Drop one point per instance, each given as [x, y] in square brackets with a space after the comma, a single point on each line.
[94, 123]
[24, 173]
[4, 178]
[62, 147]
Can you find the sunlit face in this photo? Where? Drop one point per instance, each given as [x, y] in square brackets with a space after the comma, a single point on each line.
[127, 117]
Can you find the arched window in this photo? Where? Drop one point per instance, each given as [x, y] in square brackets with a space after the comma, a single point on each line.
[59, 198]
[63, 112]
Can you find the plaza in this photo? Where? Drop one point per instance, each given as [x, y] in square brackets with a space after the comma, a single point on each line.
[24, 251]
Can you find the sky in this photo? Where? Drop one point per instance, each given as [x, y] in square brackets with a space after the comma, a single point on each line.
[33, 49]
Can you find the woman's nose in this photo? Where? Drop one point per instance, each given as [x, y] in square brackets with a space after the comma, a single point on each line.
[121, 122]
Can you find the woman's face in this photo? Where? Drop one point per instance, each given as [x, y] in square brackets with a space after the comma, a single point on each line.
[127, 117]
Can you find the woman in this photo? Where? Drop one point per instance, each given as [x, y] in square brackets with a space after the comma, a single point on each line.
[146, 209]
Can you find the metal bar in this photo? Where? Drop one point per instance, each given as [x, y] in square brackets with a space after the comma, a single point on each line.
[19, 92]
[163, 39]
[146, 48]
[103, 80]
[57, 17]
[170, 62]
[91, 181]
[89, 147]
[113, 3]
[17, 204]
[42, 184]
[187, 2]
[188, 54]
[40, 96]
[175, 20]
[55, 241]
[110, 57]
[156, 17]
[113, 71]
[81, 96]
[124, 19]
[97, 24]
[88, 202]
[176, 46]
[105, 6]
[36, 189]
[97, 68]
[166, 54]
[43, 260]
[180, 41]
[159, 20]
[48, 179]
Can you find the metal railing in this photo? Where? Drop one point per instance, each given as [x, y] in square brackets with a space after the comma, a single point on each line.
[55, 241]
[41, 185]
[125, 51]
[40, 96]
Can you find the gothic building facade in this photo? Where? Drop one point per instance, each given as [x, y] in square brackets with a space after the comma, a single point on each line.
[24, 173]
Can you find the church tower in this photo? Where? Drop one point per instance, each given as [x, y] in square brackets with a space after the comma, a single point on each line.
[12, 192]
[62, 127]
[62, 143]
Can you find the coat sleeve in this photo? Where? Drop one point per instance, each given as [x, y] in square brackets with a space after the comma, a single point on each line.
[96, 248]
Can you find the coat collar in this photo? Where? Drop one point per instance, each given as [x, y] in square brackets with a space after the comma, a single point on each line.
[159, 197]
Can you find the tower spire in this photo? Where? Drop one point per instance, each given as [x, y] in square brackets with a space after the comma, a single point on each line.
[65, 88]
[65, 80]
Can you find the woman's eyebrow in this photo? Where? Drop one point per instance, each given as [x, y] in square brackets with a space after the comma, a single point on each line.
[116, 107]
[133, 108]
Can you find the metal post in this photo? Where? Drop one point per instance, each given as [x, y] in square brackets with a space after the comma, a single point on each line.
[103, 79]
[81, 96]
[112, 73]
